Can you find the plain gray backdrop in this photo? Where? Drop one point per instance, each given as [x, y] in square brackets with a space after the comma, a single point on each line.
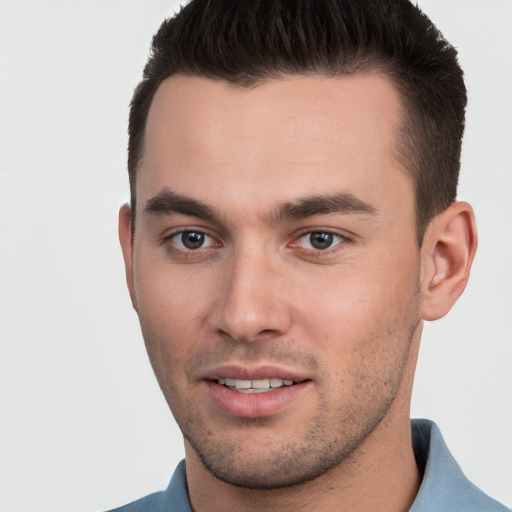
[83, 425]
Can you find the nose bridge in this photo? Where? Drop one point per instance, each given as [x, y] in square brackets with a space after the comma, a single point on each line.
[249, 302]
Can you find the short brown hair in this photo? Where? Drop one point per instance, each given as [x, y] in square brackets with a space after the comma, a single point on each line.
[246, 42]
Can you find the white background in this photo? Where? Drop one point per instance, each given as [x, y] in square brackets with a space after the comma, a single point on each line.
[83, 425]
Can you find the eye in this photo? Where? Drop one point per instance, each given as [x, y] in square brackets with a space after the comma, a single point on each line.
[191, 240]
[319, 240]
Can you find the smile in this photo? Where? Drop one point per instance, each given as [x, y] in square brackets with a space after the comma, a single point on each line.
[256, 398]
[254, 386]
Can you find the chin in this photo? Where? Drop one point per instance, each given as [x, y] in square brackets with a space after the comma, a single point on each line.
[277, 464]
[276, 472]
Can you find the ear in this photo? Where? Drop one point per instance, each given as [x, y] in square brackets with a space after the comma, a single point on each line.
[447, 253]
[125, 237]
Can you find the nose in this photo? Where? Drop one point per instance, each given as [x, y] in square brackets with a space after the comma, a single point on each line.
[250, 303]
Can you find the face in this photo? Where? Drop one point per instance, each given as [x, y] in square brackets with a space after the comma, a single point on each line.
[275, 270]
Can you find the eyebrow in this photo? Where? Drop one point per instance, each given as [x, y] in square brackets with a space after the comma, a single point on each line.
[168, 202]
[342, 203]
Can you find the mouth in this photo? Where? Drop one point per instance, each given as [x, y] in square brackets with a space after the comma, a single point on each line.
[254, 386]
[256, 391]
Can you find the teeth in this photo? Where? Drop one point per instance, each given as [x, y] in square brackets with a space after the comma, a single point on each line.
[242, 384]
[276, 383]
[254, 386]
[260, 384]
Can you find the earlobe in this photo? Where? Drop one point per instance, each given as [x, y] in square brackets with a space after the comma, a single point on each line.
[125, 237]
[448, 251]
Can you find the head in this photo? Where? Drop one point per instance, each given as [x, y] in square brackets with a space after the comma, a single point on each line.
[285, 161]
[249, 42]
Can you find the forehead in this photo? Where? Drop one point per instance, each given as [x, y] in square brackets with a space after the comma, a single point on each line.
[286, 137]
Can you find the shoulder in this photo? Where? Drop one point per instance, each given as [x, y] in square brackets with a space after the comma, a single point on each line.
[444, 486]
[174, 499]
[154, 502]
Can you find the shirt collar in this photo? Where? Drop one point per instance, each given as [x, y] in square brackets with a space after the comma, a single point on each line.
[444, 486]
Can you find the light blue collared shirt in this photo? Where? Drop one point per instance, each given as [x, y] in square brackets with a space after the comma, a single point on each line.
[444, 487]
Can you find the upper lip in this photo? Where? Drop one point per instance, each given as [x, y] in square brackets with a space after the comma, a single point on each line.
[254, 372]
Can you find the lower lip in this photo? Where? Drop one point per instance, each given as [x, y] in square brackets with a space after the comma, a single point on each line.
[255, 405]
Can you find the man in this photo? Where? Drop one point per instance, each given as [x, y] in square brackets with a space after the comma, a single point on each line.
[293, 170]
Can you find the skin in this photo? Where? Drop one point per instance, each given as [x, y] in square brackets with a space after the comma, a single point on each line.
[235, 165]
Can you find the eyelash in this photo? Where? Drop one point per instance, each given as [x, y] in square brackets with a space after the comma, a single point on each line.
[191, 253]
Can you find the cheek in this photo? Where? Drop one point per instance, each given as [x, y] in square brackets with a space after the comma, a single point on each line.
[171, 313]
[362, 302]
[168, 296]
[363, 337]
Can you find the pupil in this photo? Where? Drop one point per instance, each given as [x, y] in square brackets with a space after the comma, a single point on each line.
[192, 239]
[321, 240]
